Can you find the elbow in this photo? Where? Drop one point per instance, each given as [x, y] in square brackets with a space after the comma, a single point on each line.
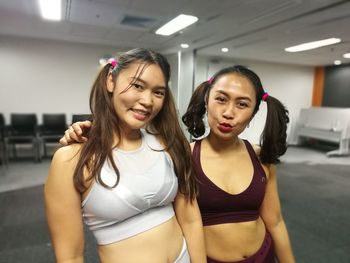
[69, 256]
[273, 222]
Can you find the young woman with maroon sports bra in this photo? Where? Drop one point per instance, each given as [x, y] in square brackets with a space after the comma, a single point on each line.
[238, 195]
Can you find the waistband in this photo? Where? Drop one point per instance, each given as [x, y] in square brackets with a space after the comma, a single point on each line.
[183, 257]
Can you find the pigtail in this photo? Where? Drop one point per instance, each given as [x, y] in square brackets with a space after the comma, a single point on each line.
[273, 140]
[193, 118]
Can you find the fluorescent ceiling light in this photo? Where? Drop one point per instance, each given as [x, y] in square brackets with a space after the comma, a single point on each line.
[337, 62]
[50, 9]
[184, 45]
[347, 55]
[312, 45]
[224, 49]
[178, 23]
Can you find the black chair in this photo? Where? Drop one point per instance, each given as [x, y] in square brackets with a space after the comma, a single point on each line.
[80, 117]
[52, 129]
[23, 130]
[3, 148]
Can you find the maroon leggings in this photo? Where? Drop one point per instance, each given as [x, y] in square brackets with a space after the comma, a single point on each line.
[265, 254]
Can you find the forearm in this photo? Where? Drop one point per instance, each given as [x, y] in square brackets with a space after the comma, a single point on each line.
[283, 247]
[194, 236]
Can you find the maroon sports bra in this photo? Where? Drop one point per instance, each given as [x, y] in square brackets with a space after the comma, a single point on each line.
[220, 207]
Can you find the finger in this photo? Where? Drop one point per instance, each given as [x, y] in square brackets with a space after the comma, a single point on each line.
[76, 128]
[76, 137]
[73, 136]
[63, 141]
[87, 124]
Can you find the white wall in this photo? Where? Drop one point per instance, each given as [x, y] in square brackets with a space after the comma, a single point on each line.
[42, 76]
[292, 85]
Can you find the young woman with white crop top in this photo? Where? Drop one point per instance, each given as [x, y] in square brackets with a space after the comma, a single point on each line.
[238, 195]
[132, 183]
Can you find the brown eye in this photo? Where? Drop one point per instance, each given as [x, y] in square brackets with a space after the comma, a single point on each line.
[220, 99]
[242, 105]
[137, 86]
[160, 93]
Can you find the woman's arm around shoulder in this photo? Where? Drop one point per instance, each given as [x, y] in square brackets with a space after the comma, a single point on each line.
[272, 216]
[189, 218]
[63, 207]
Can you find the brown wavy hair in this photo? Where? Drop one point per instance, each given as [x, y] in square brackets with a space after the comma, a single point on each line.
[105, 125]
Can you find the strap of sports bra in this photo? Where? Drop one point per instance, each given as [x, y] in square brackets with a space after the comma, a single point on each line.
[256, 162]
[196, 150]
[251, 151]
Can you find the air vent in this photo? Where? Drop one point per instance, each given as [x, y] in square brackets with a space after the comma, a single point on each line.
[137, 21]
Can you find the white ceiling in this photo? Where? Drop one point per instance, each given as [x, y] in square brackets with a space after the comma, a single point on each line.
[251, 29]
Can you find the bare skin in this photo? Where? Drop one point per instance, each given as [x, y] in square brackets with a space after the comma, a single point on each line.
[246, 237]
[135, 108]
[226, 162]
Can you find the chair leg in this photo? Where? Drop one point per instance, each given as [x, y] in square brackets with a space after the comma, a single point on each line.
[6, 155]
[14, 151]
[38, 145]
[45, 150]
[39, 150]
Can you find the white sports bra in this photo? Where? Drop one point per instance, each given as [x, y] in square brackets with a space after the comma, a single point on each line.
[141, 200]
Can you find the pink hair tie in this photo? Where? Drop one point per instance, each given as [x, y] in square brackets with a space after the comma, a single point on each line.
[113, 62]
[264, 97]
[210, 81]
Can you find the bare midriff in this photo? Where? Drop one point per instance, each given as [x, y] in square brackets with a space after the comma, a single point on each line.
[158, 245]
[234, 241]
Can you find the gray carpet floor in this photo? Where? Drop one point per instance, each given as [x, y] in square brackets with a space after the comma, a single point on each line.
[315, 202]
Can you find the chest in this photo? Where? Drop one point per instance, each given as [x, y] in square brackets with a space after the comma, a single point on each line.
[232, 174]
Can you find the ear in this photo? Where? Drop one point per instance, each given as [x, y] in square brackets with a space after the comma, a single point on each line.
[206, 98]
[110, 83]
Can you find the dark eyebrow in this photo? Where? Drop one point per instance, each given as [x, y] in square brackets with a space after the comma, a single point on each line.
[134, 79]
[227, 95]
[137, 79]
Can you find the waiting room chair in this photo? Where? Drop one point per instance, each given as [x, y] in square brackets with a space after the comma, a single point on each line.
[3, 148]
[80, 117]
[52, 129]
[23, 130]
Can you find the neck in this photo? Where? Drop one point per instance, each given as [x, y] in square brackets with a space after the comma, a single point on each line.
[128, 140]
[220, 145]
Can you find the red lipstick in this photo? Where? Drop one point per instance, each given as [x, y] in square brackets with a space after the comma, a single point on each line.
[225, 127]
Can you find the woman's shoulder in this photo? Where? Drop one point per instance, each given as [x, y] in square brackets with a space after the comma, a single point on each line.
[66, 156]
[61, 172]
[68, 153]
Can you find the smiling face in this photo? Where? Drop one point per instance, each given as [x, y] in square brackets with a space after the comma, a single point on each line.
[230, 105]
[137, 98]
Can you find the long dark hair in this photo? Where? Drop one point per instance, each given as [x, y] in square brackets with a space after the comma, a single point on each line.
[273, 138]
[105, 125]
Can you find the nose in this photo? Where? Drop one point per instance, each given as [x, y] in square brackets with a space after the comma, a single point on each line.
[229, 112]
[146, 98]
